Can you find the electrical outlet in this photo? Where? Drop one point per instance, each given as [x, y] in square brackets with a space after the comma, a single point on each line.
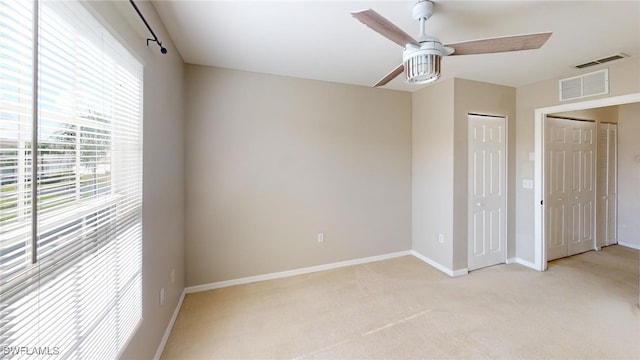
[161, 296]
[441, 238]
[320, 237]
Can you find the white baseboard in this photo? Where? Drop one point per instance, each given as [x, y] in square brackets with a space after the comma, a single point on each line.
[459, 272]
[283, 274]
[167, 332]
[629, 245]
[522, 262]
[444, 269]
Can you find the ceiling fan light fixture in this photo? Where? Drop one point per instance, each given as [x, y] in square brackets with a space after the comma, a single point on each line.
[422, 65]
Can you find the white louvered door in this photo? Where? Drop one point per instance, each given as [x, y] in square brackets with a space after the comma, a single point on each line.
[607, 184]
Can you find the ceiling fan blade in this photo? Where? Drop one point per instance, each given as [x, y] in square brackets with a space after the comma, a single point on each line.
[500, 44]
[390, 76]
[384, 27]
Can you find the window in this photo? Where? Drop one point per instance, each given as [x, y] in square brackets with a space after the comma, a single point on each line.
[70, 228]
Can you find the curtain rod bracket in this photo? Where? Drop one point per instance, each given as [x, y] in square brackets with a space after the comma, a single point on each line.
[163, 49]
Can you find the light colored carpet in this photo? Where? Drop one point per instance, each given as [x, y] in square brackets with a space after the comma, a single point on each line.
[583, 307]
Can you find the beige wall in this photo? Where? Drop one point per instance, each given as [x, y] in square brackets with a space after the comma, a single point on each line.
[624, 78]
[272, 161]
[163, 199]
[432, 178]
[629, 175]
[440, 139]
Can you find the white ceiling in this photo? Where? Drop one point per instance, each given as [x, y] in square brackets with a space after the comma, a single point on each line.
[320, 40]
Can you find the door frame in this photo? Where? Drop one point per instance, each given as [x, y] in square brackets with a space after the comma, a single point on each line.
[540, 256]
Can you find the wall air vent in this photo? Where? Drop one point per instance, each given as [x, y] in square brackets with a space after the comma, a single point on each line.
[613, 57]
[591, 84]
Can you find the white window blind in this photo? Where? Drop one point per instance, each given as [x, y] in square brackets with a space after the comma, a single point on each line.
[77, 293]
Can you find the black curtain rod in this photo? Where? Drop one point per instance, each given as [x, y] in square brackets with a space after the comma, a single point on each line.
[155, 38]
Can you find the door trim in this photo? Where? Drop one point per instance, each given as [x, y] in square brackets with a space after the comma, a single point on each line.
[540, 256]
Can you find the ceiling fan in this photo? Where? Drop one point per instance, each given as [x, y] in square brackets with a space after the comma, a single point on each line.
[421, 57]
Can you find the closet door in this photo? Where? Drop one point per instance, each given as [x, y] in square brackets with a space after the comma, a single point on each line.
[583, 187]
[556, 187]
[569, 186]
[612, 195]
[607, 184]
[487, 191]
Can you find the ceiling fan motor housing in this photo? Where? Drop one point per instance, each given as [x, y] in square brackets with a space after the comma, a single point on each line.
[423, 9]
[422, 64]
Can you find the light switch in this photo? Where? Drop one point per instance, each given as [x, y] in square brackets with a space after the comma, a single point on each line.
[527, 183]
